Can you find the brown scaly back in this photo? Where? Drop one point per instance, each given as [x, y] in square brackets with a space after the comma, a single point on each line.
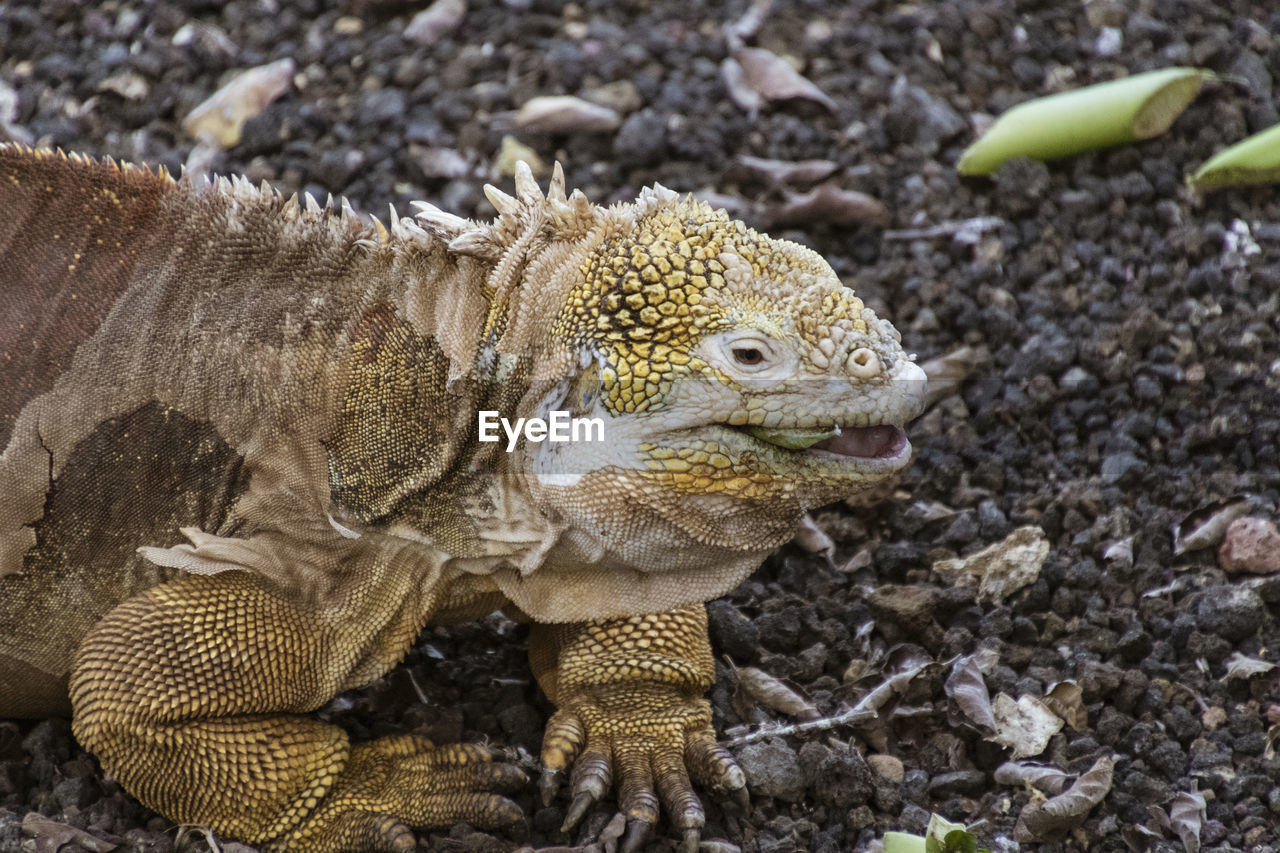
[108, 270]
[63, 259]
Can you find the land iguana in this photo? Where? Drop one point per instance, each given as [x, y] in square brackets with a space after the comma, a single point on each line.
[242, 470]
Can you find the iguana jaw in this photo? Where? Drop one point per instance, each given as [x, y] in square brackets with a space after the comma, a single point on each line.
[865, 442]
[855, 450]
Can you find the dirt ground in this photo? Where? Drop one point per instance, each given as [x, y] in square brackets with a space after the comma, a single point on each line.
[1121, 334]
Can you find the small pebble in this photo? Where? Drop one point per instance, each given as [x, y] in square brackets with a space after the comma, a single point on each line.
[1251, 545]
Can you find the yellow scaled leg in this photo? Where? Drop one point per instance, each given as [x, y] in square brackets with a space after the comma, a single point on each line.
[631, 711]
[397, 782]
[195, 694]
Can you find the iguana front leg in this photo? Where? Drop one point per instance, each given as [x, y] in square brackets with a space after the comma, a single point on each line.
[194, 694]
[631, 709]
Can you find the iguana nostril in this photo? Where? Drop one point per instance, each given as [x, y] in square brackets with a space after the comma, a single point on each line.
[862, 363]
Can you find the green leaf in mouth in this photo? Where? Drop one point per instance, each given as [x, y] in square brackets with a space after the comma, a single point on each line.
[791, 439]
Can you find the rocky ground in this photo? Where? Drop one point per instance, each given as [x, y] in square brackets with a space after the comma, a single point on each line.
[1119, 334]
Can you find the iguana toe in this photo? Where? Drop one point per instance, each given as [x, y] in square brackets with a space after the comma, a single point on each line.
[391, 784]
[713, 766]
[653, 742]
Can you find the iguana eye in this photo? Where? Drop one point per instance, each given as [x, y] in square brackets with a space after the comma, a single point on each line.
[748, 354]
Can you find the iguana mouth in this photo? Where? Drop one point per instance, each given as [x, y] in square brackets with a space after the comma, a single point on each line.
[873, 442]
[869, 442]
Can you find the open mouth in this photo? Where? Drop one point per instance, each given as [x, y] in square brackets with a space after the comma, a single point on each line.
[870, 442]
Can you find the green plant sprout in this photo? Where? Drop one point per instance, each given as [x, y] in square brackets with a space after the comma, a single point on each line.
[1099, 116]
[1253, 160]
[941, 836]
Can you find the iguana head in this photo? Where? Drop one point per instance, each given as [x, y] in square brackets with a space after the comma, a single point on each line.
[739, 381]
[735, 365]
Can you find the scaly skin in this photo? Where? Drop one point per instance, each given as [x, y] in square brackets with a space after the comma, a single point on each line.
[241, 472]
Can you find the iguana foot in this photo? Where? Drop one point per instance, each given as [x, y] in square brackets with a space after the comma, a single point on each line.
[195, 695]
[654, 740]
[391, 784]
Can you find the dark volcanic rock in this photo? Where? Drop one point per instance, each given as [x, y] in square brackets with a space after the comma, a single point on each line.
[1121, 331]
[1231, 612]
[773, 770]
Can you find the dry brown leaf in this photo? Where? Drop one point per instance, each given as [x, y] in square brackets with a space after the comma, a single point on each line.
[932, 510]
[129, 85]
[946, 373]
[860, 560]
[446, 163]
[1186, 815]
[1058, 815]
[904, 665]
[220, 118]
[797, 173]
[50, 835]
[1205, 526]
[754, 76]
[1138, 838]
[205, 37]
[192, 836]
[621, 96]
[1120, 552]
[1066, 699]
[968, 689]
[436, 21]
[1049, 780]
[812, 539]
[857, 670]
[987, 658]
[740, 92]
[746, 27]
[1001, 569]
[1024, 726]
[566, 114]
[773, 694]
[825, 203]
[1245, 667]
[967, 232]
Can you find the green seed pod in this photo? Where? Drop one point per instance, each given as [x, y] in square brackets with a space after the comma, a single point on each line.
[1254, 160]
[1099, 116]
[903, 842]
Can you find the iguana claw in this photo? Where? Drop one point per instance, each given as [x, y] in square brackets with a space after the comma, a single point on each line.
[581, 802]
[637, 832]
[548, 785]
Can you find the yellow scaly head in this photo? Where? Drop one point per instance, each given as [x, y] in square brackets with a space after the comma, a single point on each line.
[739, 382]
[739, 365]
